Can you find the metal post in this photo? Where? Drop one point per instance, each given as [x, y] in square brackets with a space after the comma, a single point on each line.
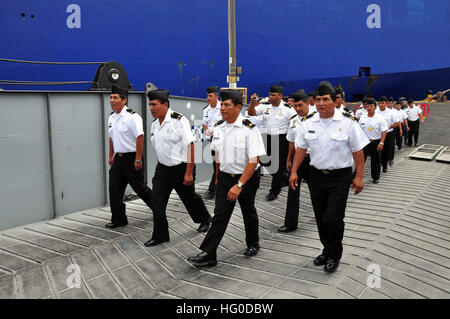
[104, 163]
[50, 156]
[232, 76]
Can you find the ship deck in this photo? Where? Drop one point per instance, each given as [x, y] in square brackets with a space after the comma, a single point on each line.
[402, 225]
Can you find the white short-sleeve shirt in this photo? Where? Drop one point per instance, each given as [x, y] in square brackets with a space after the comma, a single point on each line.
[171, 138]
[123, 129]
[211, 115]
[389, 117]
[332, 141]
[360, 112]
[413, 113]
[373, 126]
[236, 143]
[276, 118]
[294, 125]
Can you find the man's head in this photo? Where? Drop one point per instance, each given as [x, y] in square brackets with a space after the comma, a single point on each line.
[364, 102]
[410, 102]
[339, 95]
[159, 103]
[275, 95]
[326, 99]
[312, 98]
[382, 103]
[231, 104]
[371, 107]
[300, 102]
[212, 95]
[291, 100]
[118, 98]
[398, 105]
[390, 102]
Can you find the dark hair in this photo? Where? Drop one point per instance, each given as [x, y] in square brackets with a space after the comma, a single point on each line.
[162, 101]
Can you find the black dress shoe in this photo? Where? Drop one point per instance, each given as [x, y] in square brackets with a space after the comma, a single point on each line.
[203, 228]
[112, 225]
[271, 196]
[376, 181]
[203, 260]
[251, 251]
[210, 194]
[331, 265]
[286, 229]
[320, 260]
[391, 163]
[154, 242]
[384, 170]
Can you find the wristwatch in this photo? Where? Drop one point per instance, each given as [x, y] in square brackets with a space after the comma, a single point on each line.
[382, 143]
[240, 185]
[138, 161]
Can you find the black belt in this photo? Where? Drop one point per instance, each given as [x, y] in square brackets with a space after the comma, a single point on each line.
[126, 154]
[375, 140]
[235, 175]
[331, 172]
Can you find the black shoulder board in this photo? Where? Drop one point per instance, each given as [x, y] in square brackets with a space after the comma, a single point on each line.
[346, 114]
[287, 105]
[176, 115]
[206, 106]
[265, 103]
[308, 116]
[131, 111]
[220, 122]
[293, 116]
[154, 119]
[248, 123]
[111, 113]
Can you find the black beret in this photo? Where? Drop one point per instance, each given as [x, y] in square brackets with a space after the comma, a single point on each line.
[339, 89]
[162, 95]
[382, 99]
[234, 95]
[410, 100]
[276, 89]
[299, 95]
[118, 90]
[325, 88]
[371, 102]
[312, 94]
[212, 89]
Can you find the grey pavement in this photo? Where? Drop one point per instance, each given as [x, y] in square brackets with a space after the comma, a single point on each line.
[398, 228]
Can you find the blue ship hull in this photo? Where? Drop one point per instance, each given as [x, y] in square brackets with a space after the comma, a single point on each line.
[183, 45]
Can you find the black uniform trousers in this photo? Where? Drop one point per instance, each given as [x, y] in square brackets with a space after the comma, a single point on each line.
[405, 134]
[224, 209]
[387, 149]
[293, 199]
[279, 178]
[375, 158]
[121, 174]
[398, 138]
[329, 193]
[392, 146]
[212, 183]
[413, 131]
[165, 180]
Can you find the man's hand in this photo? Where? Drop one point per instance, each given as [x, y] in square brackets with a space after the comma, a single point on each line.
[137, 166]
[234, 192]
[288, 166]
[421, 121]
[111, 161]
[293, 180]
[401, 132]
[380, 147]
[188, 179]
[358, 185]
[252, 101]
[408, 129]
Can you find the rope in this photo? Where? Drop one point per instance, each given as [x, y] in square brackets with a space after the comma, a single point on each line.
[41, 62]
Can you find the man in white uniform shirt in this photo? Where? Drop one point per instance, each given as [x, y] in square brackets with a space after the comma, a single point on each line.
[334, 139]
[126, 143]
[415, 118]
[362, 110]
[211, 115]
[238, 145]
[300, 105]
[340, 101]
[276, 120]
[173, 140]
[312, 101]
[404, 121]
[391, 120]
[375, 128]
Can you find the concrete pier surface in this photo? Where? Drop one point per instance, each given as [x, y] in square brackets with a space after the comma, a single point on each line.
[396, 245]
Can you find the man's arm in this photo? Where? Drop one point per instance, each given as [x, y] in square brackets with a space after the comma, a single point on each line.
[188, 175]
[139, 150]
[111, 152]
[381, 145]
[358, 183]
[290, 155]
[300, 154]
[253, 104]
[234, 192]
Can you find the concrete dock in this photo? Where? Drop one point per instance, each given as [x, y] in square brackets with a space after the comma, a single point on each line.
[399, 229]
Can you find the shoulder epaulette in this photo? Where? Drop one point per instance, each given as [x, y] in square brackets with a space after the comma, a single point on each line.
[111, 113]
[176, 115]
[346, 114]
[293, 116]
[248, 123]
[206, 106]
[287, 105]
[220, 122]
[154, 119]
[265, 103]
[308, 116]
[130, 111]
